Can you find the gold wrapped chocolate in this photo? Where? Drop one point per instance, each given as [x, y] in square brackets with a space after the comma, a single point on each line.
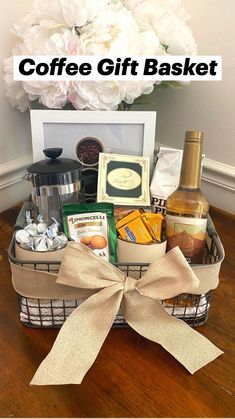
[129, 217]
[155, 224]
[140, 227]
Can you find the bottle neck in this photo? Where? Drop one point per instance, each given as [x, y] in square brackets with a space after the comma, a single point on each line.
[190, 177]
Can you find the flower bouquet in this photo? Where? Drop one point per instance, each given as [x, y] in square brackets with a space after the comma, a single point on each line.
[100, 27]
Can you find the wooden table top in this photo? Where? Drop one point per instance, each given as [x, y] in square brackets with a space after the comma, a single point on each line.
[131, 377]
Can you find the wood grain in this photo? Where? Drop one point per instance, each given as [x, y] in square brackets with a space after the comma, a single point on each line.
[131, 377]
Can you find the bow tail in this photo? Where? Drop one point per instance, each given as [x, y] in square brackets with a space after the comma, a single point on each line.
[149, 319]
[80, 339]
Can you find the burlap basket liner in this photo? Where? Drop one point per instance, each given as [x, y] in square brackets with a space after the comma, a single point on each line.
[35, 283]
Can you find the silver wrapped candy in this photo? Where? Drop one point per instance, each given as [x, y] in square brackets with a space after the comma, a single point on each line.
[41, 244]
[28, 218]
[50, 243]
[41, 226]
[53, 230]
[37, 236]
[28, 244]
[63, 239]
[31, 229]
[21, 236]
[59, 242]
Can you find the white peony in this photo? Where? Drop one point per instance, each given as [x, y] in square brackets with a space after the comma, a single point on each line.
[175, 6]
[106, 95]
[112, 31]
[93, 95]
[50, 94]
[135, 89]
[80, 12]
[100, 27]
[166, 18]
[175, 34]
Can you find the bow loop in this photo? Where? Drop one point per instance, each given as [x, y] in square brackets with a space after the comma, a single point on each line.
[168, 277]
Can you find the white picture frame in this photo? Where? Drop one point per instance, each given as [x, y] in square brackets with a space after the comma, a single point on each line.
[122, 132]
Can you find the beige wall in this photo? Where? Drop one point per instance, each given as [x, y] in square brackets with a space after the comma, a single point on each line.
[14, 126]
[205, 105]
[202, 105]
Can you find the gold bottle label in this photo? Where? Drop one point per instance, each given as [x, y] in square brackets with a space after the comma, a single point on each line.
[188, 234]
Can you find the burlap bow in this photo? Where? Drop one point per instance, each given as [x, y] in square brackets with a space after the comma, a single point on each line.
[82, 335]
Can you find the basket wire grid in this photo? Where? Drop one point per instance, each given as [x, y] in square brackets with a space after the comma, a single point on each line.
[193, 309]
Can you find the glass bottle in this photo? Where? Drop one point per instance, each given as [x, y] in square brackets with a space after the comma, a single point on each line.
[187, 208]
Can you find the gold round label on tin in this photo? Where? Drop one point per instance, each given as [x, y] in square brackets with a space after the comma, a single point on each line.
[124, 179]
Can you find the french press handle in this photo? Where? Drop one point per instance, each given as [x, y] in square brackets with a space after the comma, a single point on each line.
[53, 153]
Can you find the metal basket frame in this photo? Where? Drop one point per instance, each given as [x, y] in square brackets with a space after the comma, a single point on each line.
[214, 254]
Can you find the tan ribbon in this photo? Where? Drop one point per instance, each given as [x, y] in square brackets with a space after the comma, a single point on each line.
[82, 335]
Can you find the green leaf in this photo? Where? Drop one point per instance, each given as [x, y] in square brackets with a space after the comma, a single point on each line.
[162, 85]
[165, 47]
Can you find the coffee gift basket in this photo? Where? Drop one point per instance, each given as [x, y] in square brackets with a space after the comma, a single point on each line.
[91, 266]
[53, 311]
